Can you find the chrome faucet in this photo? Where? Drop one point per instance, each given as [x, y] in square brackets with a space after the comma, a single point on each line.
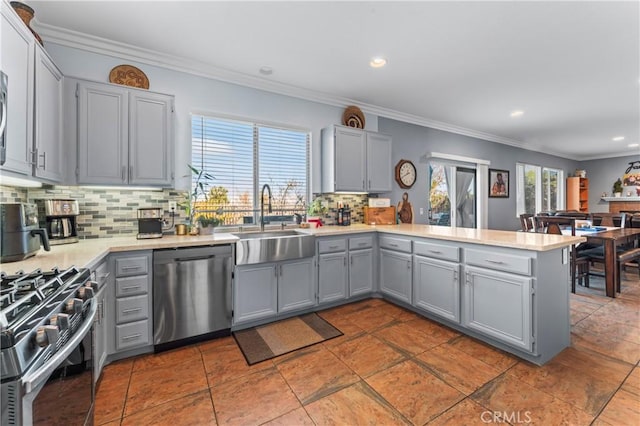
[268, 188]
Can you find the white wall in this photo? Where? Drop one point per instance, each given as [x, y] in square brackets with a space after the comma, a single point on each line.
[198, 94]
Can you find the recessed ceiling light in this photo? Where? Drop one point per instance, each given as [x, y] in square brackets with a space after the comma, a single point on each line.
[516, 113]
[633, 145]
[266, 70]
[618, 138]
[378, 62]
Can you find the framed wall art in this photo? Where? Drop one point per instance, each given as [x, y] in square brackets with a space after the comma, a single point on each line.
[498, 183]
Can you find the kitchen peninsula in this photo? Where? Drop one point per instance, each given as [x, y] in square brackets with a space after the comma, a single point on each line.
[510, 289]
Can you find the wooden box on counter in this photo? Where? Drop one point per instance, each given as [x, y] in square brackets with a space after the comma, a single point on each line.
[379, 215]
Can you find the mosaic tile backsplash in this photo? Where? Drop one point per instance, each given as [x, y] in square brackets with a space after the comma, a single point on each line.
[112, 212]
[103, 213]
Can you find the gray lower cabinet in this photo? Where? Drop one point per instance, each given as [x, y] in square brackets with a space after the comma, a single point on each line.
[130, 321]
[498, 304]
[396, 274]
[267, 289]
[332, 277]
[436, 287]
[296, 289]
[255, 292]
[360, 272]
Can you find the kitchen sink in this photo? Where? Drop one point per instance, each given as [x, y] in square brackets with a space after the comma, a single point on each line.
[273, 246]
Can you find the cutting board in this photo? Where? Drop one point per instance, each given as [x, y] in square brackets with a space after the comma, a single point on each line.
[380, 215]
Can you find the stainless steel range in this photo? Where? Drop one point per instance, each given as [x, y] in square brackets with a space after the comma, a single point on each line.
[46, 321]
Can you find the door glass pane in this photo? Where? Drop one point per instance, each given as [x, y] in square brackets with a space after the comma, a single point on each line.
[550, 189]
[440, 206]
[465, 198]
[530, 189]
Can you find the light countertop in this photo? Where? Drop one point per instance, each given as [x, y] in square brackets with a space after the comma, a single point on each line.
[89, 253]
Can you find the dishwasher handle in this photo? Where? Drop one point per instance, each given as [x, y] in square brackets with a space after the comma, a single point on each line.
[191, 253]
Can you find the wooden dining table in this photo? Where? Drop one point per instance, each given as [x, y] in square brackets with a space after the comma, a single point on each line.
[610, 238]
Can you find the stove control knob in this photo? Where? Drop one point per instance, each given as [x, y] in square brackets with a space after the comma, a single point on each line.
[74, 306]
[93, 284]
[61, 321]
[85, 293]
[47, 335]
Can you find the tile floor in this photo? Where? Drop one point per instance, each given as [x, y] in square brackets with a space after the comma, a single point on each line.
[393, 367]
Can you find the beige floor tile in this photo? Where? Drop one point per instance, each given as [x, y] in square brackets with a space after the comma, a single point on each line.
[154, 386]
[414, 392]
[195, 409]
[297, 417]
[225, 362]
[367, 355]
[253, 399]
[457, 368]
[466, 412]
[355, 405]
[406, 339]
[623, 409]
[168, 358]
[524, 403]
[314, 373]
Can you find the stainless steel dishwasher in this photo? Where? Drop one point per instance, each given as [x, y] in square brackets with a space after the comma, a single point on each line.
[191, 294]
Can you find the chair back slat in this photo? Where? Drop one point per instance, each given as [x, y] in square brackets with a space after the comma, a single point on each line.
[554, 224]
[526, 222]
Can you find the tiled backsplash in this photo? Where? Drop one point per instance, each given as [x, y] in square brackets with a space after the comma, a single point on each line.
[103, 213]
[112, 212]
[356, 203]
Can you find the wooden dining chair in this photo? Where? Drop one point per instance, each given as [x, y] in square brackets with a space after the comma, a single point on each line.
[618, 220]
[526, 222]
[579, 264]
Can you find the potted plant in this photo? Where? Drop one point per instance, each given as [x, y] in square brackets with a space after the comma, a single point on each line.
[617, 188]
[315, 210]
[207, 224]
[199, 188]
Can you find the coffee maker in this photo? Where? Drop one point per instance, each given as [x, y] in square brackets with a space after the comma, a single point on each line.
[20, 233]
[60, 219]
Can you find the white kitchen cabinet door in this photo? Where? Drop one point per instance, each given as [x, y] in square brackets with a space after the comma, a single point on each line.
[360, 272]
[379, 170]
[498, 305]
[18, 57]
[436, 287]
[150, 139]
[49, 157]
[296, 289]
[103, 137]
[395, 274]
[255, 292]
[332, 277]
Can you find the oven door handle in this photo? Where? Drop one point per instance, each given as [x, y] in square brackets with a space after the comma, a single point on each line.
[41, 374]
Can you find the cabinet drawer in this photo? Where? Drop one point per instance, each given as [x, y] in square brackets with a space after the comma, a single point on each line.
[397, 244]
[499, 261]
[131, 286]
[436, 251]
[356, 243]
[132, 308]
[128, 266]
[328, 246]
[132, 335]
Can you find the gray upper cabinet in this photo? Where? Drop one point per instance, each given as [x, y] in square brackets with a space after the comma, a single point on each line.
[17, 56]
[355, 160]
[48, 156]
[378, 162]
[125, 136]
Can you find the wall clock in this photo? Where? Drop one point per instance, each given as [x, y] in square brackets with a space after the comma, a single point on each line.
[405, 174]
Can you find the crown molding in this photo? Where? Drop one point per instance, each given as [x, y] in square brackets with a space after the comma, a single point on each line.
[99, 45]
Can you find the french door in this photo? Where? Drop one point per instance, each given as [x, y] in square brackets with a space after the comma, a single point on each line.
[453, 195]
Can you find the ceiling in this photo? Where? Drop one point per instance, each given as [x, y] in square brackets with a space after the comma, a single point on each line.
[572, 67]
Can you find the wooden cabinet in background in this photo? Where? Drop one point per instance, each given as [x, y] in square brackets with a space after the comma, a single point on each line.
[578, 194]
